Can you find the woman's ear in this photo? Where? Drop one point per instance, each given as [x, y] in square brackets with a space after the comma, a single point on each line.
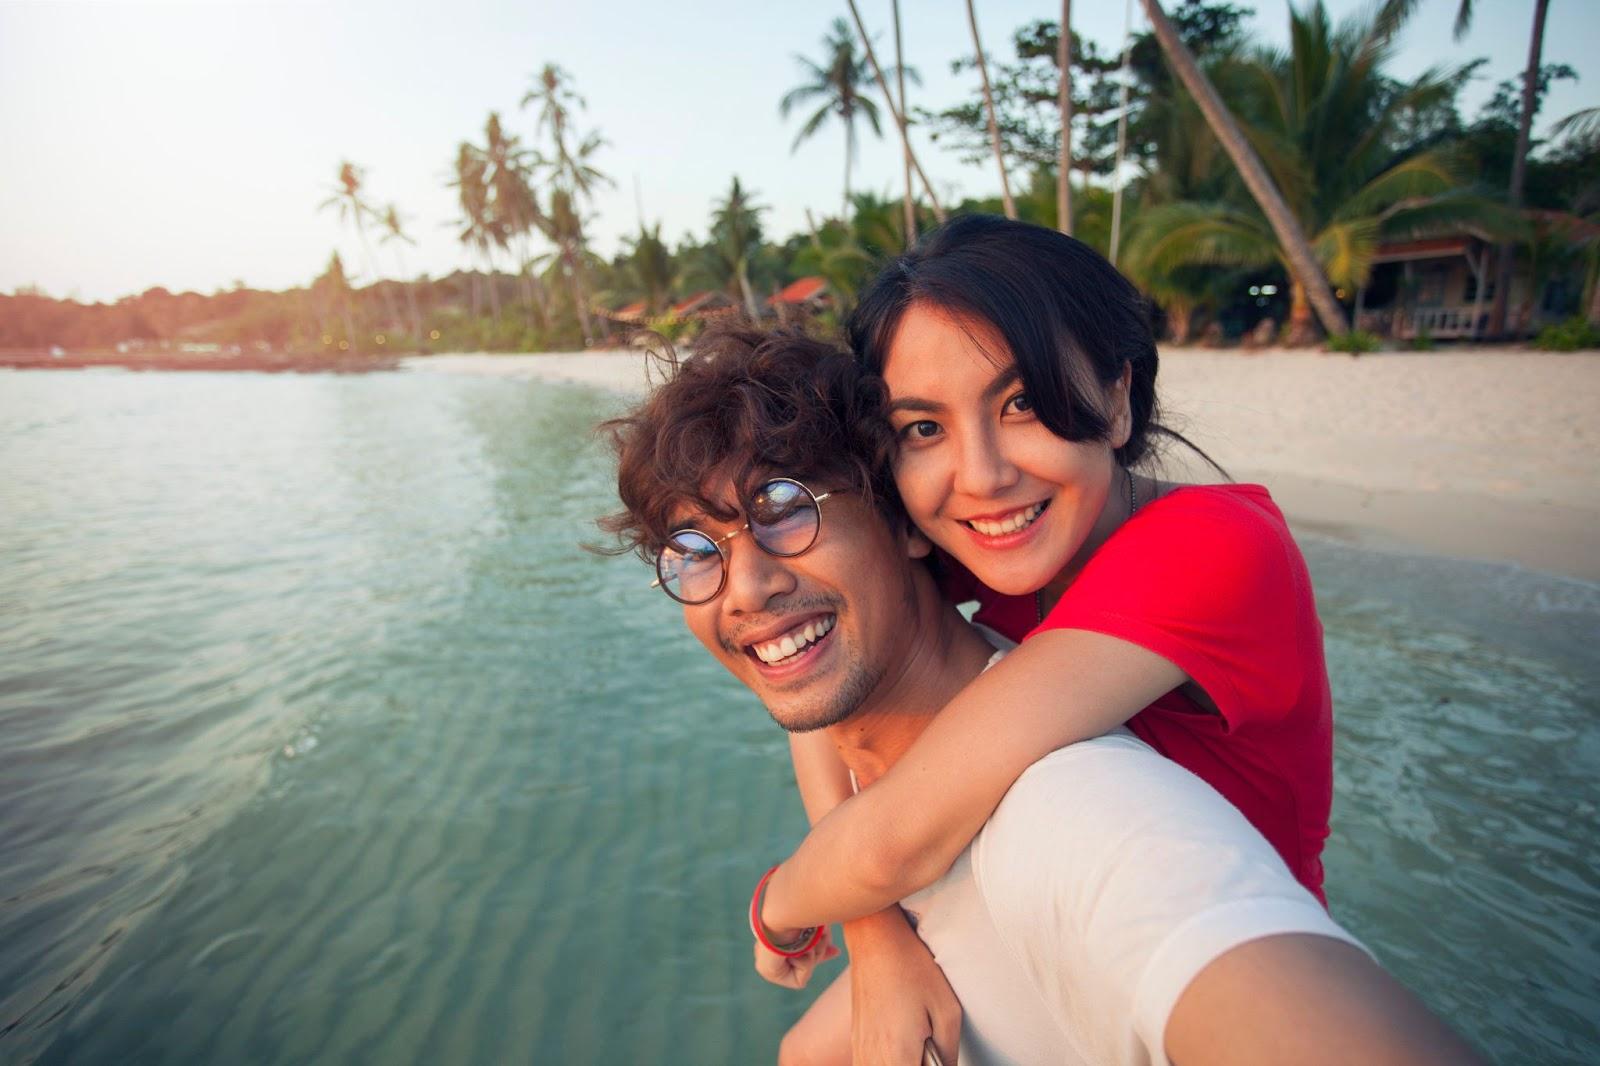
[1122, 407]
[917, 545]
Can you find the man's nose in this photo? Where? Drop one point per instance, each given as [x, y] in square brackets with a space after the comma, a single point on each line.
[754, 577]
[983, 468]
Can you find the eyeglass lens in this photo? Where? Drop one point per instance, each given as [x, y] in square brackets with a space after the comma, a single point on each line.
[783, 521]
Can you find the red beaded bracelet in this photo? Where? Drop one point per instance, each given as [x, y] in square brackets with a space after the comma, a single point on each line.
[806, 940]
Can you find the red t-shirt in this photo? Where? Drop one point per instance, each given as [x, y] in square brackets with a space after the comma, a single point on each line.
[1209, 578]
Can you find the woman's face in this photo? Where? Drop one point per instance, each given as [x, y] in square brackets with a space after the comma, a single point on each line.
[979, 473]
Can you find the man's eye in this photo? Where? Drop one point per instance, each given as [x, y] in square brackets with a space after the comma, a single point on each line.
[921, 429]
[1020, 404]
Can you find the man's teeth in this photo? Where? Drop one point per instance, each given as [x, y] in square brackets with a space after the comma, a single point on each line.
[1009, 524]
[794, 641]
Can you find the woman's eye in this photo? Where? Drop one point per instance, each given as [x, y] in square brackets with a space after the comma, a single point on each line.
[1020, 404]
[921, 429]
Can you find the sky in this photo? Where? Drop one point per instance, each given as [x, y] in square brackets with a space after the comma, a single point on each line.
[189, 144]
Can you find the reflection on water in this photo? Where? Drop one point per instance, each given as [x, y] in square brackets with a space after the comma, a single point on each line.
[324, 741]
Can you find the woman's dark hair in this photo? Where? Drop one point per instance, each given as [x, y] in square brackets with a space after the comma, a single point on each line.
[1071, 321]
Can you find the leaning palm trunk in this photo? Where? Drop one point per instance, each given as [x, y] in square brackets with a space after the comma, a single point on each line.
[1505, 254]
[371, 262]
[749, 296]
[1064, 92]
[580, 298]
[909, 206]
[1303, 266]
[899, 114]
[988, 107]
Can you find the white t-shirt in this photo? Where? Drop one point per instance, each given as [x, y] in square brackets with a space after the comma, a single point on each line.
[1105, 881]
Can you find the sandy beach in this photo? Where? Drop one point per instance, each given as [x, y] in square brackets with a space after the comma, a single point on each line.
[1484, 454]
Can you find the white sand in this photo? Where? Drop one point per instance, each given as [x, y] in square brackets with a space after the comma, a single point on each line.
[1491, 454]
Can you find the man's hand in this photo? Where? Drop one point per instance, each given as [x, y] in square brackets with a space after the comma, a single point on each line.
[795, 972]
[898, 995]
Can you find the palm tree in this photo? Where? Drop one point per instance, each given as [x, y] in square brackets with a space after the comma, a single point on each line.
[1321, 113]
[736, 233]
[472, 196]
[573, 177]
[988, 107]
[345, 197]
[1064, 102]
[837, 83]
[1301, 262]
[330, 294]
[509, 176]
[908, 204]
[835, 253]
[394, 231]
[898, 112]
[1505, 255]
[652, 267]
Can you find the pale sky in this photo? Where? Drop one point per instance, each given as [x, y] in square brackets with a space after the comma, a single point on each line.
[189, 144]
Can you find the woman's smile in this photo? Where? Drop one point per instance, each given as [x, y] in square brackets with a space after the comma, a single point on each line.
[977, 470]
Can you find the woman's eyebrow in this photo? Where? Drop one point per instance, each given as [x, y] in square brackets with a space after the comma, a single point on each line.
[913, 403]
[1002, 381]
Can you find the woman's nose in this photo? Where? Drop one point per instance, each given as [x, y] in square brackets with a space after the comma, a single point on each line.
[985, 469]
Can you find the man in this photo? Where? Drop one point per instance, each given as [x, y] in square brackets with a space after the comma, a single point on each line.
[1114, 908]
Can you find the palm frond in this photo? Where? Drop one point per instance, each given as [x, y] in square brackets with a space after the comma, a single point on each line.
[1346, 249]
[1179, 235]
[1418, 177]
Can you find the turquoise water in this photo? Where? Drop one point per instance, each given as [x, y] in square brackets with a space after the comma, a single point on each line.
[323, 741]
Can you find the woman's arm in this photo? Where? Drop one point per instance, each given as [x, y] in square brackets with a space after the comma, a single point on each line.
[899, 994]
[903, 833]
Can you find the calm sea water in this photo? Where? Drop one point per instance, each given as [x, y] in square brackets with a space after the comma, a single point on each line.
[322, 741]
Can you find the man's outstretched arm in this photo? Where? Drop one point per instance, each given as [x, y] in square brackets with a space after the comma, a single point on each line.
[1309, 1000]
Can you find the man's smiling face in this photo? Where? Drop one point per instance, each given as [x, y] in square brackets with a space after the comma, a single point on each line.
[812, 636]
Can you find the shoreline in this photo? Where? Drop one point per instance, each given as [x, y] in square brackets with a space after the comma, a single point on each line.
[218, 362]
[1489, 454]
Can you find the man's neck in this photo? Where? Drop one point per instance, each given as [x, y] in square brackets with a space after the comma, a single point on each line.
[946, 653]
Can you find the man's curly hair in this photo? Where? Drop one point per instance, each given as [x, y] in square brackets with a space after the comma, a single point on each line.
[747, 405]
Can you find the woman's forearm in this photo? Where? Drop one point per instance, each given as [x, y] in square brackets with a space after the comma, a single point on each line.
[903, 833]
[821, 775]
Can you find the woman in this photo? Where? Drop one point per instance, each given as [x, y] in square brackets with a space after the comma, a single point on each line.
[1021, 377]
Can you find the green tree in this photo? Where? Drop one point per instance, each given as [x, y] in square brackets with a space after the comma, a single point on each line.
[1319, 116]
[394, 232]
[650, 263]
[331, 295]
[573, 178]
[736, 237]
[989, 113]
[471, 183]
[836, 82]
[513, 204]
[345, 197]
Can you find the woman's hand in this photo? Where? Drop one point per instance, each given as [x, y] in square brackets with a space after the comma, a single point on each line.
[898, 995]
[794, 972]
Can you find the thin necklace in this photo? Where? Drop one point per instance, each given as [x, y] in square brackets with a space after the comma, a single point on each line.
[1133, 505]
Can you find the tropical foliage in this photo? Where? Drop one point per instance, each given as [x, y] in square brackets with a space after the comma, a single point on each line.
[1359, 156]
[1320, 116]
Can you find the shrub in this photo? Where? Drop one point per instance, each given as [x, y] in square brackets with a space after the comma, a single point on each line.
[1355, 342]
[1423, 341]
[1568, 336]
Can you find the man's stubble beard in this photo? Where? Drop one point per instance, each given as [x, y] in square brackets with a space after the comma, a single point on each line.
[845, 700]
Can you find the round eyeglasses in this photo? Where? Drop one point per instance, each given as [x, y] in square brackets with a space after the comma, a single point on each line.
[784, 518]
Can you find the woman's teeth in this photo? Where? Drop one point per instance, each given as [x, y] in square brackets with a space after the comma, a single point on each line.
[1009, 524]
[793, 642]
